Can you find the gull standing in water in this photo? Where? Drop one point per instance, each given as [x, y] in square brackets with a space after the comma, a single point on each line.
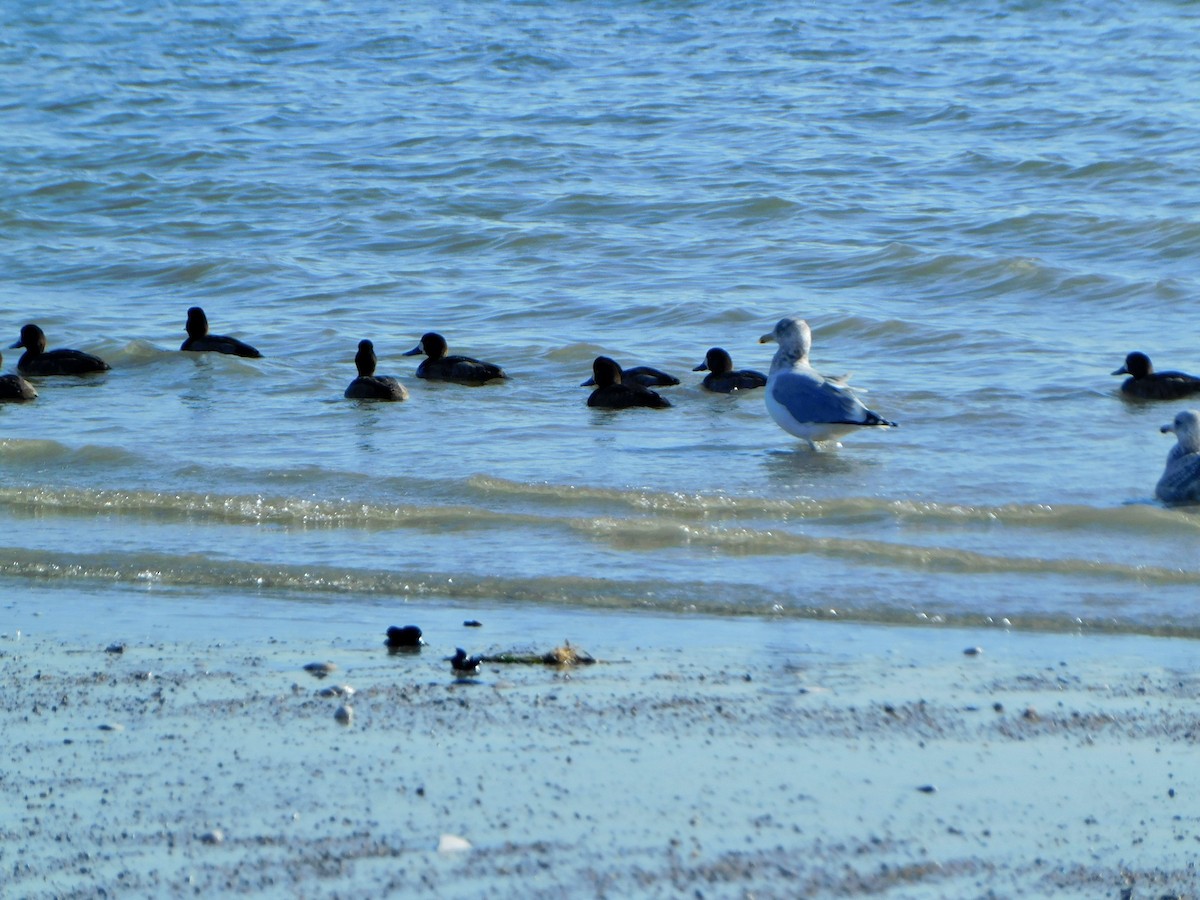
[803, 401]
[1180, 481]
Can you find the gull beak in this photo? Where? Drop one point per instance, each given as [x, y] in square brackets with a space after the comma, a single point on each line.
[768, 338]
[1167, 429]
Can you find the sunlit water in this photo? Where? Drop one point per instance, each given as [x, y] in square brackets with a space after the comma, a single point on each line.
[980, 208]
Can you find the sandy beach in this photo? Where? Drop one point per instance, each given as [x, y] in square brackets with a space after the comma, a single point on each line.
[697, 757]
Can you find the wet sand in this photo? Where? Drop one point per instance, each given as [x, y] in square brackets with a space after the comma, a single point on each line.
[699, 757]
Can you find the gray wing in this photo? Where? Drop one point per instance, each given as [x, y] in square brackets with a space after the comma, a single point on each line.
[1180, 482]
[811, 398]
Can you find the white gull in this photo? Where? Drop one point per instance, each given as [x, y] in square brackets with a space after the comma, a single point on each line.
[802, 400]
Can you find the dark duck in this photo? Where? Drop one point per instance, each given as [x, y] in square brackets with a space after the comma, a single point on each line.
[1144, 383]
[613, 393]
[37, 360]
[200, 341]
[646, 376]
[15, 389]
[723, 378]
[438, 366]
[368, 385]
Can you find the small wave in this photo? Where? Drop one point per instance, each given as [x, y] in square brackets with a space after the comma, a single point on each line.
[699, 506]
[207, 575]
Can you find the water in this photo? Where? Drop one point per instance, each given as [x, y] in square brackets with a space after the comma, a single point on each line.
[980, 209]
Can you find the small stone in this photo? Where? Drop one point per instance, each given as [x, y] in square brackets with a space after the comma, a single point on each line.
[973, 651]
[320, 669]
[927, 789]
[452, 843]
[472, 623]
[215, 836]
[336, 690]
[1031, 714]
[107, 726]
[115, 647]
[404, 638]
[344, 714]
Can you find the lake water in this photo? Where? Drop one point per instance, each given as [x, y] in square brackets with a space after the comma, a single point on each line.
[980, 208]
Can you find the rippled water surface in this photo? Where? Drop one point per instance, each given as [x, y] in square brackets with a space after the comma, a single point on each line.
[979, 208]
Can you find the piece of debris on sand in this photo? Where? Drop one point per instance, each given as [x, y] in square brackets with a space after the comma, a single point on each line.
[562, 657]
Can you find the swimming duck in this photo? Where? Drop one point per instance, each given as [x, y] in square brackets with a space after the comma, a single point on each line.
[804, 402]
[1146, 384]
[612, 393]
[1180, 481]
[200, 341]
[646, 376]
[15, 389]
[36, 360]
[368, 385]
[722, 378]
[464, 666]
[459, 369]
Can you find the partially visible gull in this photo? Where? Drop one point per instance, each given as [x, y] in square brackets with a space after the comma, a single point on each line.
[803, 401]
[1180, 482]
[1146, 384]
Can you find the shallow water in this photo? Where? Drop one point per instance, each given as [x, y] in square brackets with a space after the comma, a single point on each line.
[980, 211]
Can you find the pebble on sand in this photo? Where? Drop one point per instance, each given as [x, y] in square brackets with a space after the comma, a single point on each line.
[215, 836]
[320, 669]
[407, 637]
[344, 714]
[973, 651]
[115, 647]
[452, 843]
[336, 690]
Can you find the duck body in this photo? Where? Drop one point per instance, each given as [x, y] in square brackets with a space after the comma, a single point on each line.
[801, 400]
[376, 387]
[613, 393]
[37, 360]
[1180, 481]
[1144, 383]
[15, 389]
[723, 378]
[368, 385]
[439, 366]
[200, 341]
[646, 376]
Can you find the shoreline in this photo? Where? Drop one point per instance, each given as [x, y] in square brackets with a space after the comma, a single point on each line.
[698, 756]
